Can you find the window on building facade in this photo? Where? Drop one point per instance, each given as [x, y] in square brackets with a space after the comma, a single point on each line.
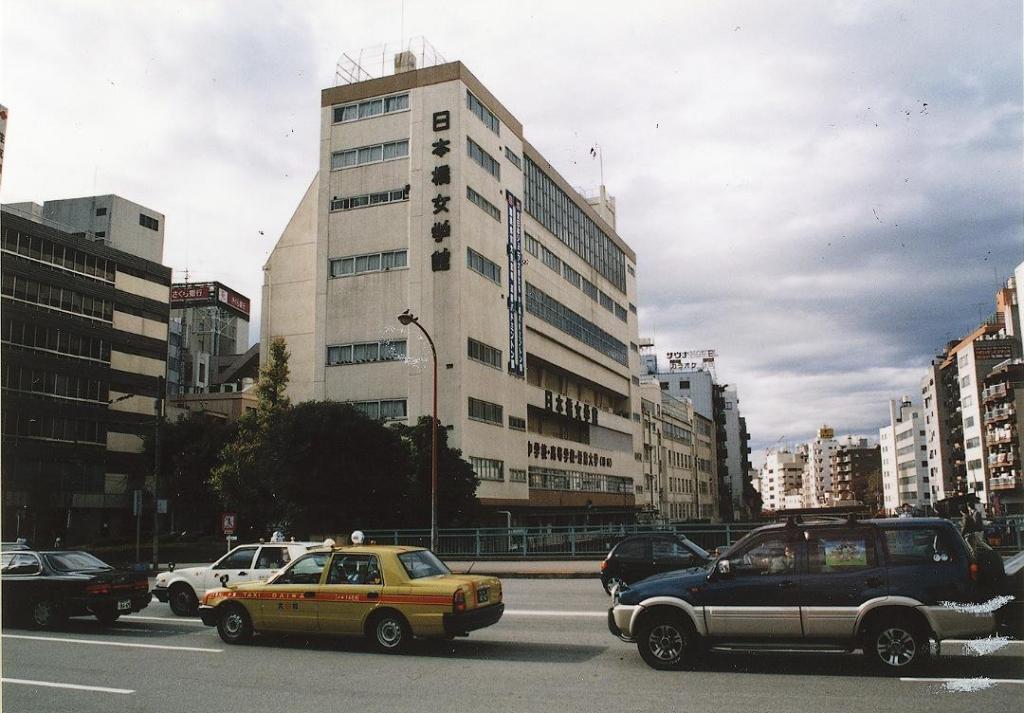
[65, 340]
[972, 442]
[478, 200]
[516, 423]
[483, 159]
[620, 312]
[969, 421]
[371, 108]
[361, 352]
[478, 263]
[53, 254]
[513, 158]
[483, 113]
[571, 224]
[550, 259]
[590, 289]
[372, 262]
[147, 222]
[60, 299]
[349, 158]
[558, 315]
[478, 351]
[516, 476]
[367, 199]
[101, 211]
[532, 246]
[571, 276]
[383, 410]
[486, 411]
[488, 468]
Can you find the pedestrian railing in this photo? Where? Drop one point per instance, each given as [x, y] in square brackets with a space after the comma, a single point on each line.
[594, 541]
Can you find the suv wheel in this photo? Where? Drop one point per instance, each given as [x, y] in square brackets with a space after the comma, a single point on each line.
[896, 645]
[665, 641]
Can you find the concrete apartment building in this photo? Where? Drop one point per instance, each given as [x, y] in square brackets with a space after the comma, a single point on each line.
[904, 453]
[781, 477]
[855, 464]
[1003, 397]
[429, 198]
[115, 221]
[940, 398]
[817, 483]
[84, 352]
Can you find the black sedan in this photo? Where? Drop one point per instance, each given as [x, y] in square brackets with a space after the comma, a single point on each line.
[641, 556]
[43, 589]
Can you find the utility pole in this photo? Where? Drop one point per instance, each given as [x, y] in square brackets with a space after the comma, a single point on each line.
[156, 467]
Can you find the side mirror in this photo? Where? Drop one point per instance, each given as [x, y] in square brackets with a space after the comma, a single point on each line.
[724, 568]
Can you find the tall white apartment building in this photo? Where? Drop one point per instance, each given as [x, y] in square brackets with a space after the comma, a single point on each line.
[781, 476]
[430, 199]
[904, 451]
[817, 485]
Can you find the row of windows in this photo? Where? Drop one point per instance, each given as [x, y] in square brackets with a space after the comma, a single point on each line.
[483, 113]
[486, 205]
[537, 249]
[677, 434]
[560, 316]
[33, 292]
[362, 352]
[486, 161]
[564, 219]
[517, 424]
[488, 468]
[478, 351]
[486, 411]
[372, 107]
[56, 255]
[369, 154]
[516, 476]
[554, 479]
[366, 199]
[40, 381]
[478, 263]
[53, 428]
[55, 340]
[384, 410]
[513, 158]
[372, 262]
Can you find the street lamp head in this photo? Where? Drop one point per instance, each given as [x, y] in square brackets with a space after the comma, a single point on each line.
[407, 318]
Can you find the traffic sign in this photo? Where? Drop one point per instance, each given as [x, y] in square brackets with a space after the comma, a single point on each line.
[228, 522]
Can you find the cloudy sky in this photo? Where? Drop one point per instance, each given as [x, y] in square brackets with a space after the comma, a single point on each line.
[824, 192]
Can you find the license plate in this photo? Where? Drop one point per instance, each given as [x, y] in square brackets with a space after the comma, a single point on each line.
[482, 594]
[124, 605]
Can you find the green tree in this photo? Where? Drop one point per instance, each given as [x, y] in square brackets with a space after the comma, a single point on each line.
[456, 481]
[249, 478]
[190, 449]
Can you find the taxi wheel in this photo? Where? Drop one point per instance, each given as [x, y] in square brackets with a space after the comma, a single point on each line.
[183, 600]
[389, 633]
[235, 626]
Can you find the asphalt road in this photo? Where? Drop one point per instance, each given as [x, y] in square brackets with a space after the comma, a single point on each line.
[551, 652]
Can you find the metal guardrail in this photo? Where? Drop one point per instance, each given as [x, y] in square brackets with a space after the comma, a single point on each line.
[593, 542]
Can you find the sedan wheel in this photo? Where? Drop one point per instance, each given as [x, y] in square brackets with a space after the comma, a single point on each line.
[389, 633]
[106, 616]
[46, 615]
[235, 626]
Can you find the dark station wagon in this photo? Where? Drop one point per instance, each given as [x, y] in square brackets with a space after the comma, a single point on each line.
[42, 589]
[885, 586]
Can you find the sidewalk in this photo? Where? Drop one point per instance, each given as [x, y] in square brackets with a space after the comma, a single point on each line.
[529, 569]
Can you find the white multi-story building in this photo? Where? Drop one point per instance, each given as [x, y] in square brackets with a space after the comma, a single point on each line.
[430, 199]
[904, 451]
[780, 478]
[817, 484]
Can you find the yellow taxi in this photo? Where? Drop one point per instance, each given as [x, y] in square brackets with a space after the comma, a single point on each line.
[389, 594]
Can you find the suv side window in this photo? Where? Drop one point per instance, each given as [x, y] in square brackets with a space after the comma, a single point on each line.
[916, 545]
[239, 559]
[830, 552]
[771, 554]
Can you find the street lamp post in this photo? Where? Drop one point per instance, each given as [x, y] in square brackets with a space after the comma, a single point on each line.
[407, 318]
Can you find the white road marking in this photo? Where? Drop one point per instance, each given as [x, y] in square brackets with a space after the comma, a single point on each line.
[947, 680]
[75, 686]
[553, 612]
[93, 642]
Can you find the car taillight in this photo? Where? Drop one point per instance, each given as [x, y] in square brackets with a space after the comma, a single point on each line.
[98, 589]
[459, 600]
[604, 565]
[973, 569]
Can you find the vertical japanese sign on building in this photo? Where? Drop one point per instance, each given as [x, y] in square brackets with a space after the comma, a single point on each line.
[516, 363]
[441, 178]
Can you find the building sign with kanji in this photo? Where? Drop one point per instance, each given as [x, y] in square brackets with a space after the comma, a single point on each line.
[574, 409]
[514, 247]
[565, 454]
[441, 179]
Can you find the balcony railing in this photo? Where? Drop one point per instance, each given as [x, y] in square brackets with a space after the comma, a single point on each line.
[999, 414]
[994, 392]
[1005, 482]
[997, 438]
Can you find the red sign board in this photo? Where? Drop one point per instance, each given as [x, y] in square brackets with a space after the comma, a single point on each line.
[228, 522]
[190, 293]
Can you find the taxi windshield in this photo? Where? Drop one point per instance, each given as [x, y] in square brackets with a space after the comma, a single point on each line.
[422, 563]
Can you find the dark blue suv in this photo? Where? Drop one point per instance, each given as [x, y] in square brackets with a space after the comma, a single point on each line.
[886, 586]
